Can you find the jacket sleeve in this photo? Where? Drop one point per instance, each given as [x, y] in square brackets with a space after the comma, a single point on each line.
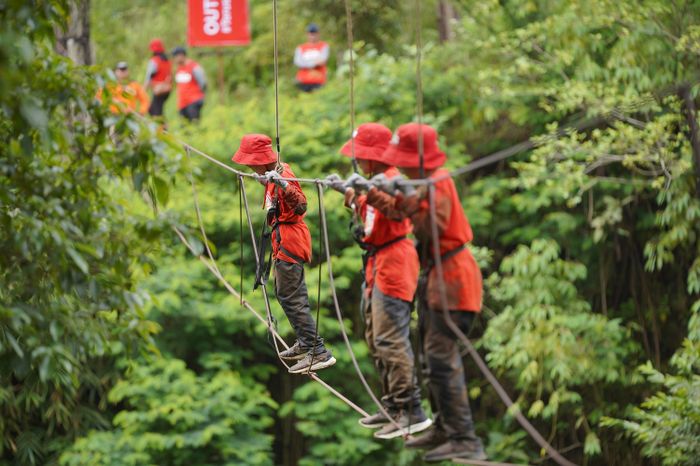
[300, 61]
[200, 77]
[385, 203]
[151, 69]
[421, 218]
[294, 198]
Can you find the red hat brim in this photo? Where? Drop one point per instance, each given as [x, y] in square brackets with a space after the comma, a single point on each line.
[410, 159]
[254, 158]
[362, 151]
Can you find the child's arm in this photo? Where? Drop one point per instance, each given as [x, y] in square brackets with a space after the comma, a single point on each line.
[294, 197]
[385, 203]
[420, 215]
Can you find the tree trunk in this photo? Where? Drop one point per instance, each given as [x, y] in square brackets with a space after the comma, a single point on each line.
[446, 14]
[694, 136]
[73, 41]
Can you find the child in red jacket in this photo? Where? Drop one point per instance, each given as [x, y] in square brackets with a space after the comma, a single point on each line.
[453, 434]
[291, 248]
[391, 276]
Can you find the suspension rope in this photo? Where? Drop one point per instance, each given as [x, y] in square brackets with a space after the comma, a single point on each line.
[318, 290]
[234, 293]
[211, 264]
[240, 232]
[351, 49]
[272, 322]
[277, 97]
[339, 315]
[437, 262]
[419, 89]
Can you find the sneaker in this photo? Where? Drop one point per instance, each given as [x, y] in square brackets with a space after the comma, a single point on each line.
[374, 421]
[313, 362]
[408, 423]
[294, 353]
[428, 440]
[457, 449]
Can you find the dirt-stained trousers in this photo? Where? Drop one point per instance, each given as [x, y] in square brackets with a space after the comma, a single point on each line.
[387, 333]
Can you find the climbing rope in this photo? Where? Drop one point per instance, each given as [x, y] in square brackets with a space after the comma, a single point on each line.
[318, 291]
[351, 50]
[339, 314]
[277, 97]
[419, 89]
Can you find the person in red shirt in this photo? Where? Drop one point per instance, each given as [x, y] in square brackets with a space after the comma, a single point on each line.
[391, 276]
[453, 435]
[191, 85]
[286, 205]
[310, 58]
[158, 77]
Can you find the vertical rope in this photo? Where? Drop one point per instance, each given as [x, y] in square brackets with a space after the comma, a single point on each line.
[348, 16]
[339, 315]
[318, 288]
[240, 233]
[277, 98]
[419, 89]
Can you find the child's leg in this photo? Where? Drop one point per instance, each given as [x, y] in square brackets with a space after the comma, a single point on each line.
[293, 296]
[391, 318]
[446, 373]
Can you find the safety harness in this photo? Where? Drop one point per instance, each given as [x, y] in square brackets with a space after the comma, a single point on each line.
[271, 226]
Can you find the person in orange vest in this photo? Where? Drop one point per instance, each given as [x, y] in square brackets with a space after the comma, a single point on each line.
[158, 77]
[390, 279]
[310, 58]
[286, 205]
[453, 435]
[191, 85]
[127, 95]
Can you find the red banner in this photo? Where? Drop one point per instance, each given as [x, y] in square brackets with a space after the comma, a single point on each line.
[214, 23]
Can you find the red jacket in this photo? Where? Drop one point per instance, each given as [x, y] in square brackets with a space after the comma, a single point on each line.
[188, 90]
[317, 74]
[394, 267]
[163, 72]
[461, 274]
[291, 234]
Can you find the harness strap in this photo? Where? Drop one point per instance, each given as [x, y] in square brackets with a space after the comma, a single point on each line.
[276, 230]
[371, 249]
[443, 257]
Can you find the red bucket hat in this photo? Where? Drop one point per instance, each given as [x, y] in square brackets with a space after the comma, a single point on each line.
[157, 46]
[403, 149]
[255, 149]
[371, 140]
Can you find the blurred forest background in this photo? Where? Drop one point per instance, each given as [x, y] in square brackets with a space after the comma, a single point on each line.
[118, 347]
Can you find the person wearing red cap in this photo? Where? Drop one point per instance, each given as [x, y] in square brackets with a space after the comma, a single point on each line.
[286, 204]
[158, 77]
[453, 435]
[391, 275]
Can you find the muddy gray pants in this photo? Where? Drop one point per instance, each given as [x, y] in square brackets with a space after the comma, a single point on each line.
[446, 380]
[387, 333]
[290, 287]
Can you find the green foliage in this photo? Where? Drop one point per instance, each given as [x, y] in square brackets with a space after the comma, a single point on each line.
[549, 340]
[172, 416]
[71, 252]
[594, 234]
